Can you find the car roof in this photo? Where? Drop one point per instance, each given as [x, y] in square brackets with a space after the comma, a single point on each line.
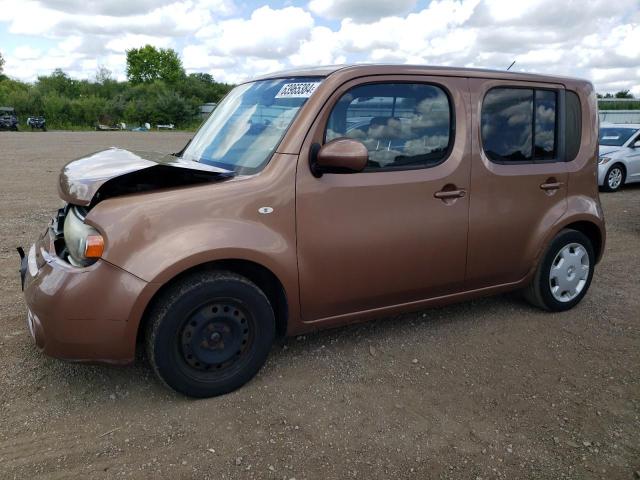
[621, 125]
[379, 69]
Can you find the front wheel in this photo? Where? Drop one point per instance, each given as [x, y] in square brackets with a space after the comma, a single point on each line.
[564, 274]
[614, 179]
[210, 333]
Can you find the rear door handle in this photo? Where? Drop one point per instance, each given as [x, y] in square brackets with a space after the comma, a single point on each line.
[551, 186]
[446, 194]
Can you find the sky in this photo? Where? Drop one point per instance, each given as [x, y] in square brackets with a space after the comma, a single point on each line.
[235, 40]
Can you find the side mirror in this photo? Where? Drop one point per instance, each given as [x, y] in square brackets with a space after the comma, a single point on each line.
[342, 155]
[636, 144]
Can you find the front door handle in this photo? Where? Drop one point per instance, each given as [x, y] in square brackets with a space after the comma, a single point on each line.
[448, 194]
[551, 186]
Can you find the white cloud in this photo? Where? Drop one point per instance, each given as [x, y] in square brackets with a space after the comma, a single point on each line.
[267, 33]
[198, 58]
[321, 48]
[433, 35]
[360, 10]
[25, 52]
[117, 9]
[129, 41]
[597, 39]
[28, 17]
[542, 56]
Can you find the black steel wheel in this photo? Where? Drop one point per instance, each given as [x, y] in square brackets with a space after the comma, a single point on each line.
[216, 336]
[210, 333]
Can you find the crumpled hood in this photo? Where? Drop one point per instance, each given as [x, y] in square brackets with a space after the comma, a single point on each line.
[607, 149]
[116, 171]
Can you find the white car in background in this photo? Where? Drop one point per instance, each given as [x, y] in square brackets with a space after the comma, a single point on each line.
[619, 155]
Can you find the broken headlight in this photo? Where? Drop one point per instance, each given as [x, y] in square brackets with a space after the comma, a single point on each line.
[84, 243]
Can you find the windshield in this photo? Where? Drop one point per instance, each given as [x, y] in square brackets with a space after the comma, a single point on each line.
[245, 128]
[615, 137]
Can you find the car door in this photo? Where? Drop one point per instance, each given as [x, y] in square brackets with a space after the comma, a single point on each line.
[518, 177]
[397, 232]
[632, 160]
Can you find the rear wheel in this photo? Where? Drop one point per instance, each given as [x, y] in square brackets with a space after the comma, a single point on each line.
[564, 274]
[210, 333]
[614, 178]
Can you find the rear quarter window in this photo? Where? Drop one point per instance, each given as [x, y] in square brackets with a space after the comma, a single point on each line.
[519, 125]
[573, 124]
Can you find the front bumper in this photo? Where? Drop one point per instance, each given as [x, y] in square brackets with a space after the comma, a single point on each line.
[602, 172]
[80, 314]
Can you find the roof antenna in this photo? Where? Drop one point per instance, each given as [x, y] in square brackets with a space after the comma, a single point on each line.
[512, 64]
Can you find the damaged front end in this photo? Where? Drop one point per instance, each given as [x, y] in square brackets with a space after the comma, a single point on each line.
[73, 240]
[87, 181]
[62, 272]
[115, 172]
[67, 238]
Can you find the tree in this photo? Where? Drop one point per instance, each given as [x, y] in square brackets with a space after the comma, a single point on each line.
[202, 88]
[59, 82]
[103, 75]
[1, 63]
[149, 63]
[623, 94]
[70, 103]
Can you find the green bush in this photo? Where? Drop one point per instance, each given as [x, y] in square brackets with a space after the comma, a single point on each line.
[67, 103]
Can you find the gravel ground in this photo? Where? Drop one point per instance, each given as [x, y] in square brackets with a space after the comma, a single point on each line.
[485, 389]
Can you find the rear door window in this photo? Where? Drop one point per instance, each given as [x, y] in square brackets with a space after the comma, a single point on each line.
[519, 125]
[544, 133]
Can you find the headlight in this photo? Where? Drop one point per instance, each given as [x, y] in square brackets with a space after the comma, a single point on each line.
[84, 243]
[603, 160]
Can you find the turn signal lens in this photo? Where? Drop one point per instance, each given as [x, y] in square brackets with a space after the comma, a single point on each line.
[94, 246]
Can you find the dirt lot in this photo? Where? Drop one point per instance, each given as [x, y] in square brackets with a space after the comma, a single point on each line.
[487, 389]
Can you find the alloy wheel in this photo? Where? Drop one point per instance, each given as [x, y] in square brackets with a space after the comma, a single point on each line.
[614, 179]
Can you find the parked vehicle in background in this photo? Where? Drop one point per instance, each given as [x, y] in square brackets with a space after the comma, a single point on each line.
[8, 119]
[145, 127]
[317, 198]
[37, 123]
[619, 155]
[111, 128]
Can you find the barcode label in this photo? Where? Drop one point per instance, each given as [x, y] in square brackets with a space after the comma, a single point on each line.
[297, 90]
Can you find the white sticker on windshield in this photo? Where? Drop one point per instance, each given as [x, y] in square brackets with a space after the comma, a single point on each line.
[297, 90]
[611, 138]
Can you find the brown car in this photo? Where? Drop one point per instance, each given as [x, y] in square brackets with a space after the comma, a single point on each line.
[316, 198]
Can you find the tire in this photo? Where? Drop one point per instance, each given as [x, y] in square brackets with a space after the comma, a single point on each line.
[614, 179]
[209, 333]
[552, 291]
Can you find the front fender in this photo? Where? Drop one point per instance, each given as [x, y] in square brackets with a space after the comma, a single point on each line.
[165, 256]
[158, 235]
